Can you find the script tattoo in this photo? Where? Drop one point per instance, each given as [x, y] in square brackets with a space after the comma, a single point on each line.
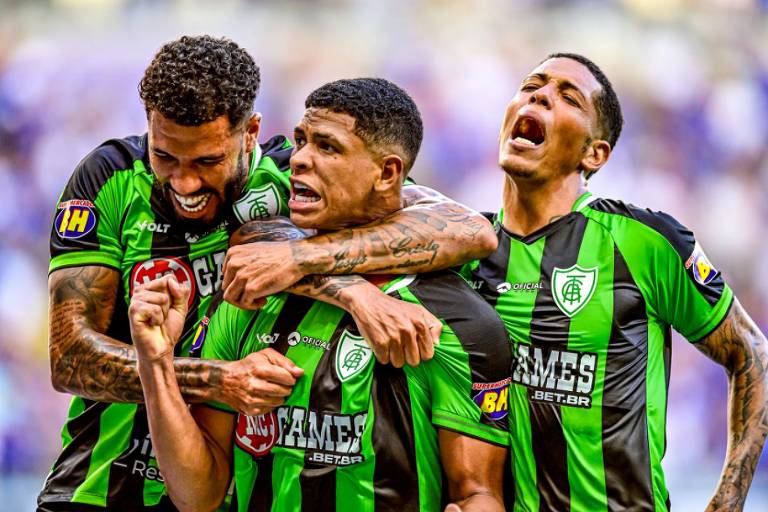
[86, 362]
[740, 347]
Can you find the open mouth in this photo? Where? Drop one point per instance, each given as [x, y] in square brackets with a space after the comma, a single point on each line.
[193, 203]
[528, 131]
[303, 194]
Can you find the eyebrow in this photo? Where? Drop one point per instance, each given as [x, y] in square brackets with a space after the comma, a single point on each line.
[214, 157]
[562, 83]
[317, 135]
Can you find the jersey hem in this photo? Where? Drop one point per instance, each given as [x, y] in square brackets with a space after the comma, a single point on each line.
[75, 260]
[717, 318]
[476, 430]
[98, 500]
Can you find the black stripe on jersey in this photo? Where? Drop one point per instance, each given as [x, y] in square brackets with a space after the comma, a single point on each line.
[395, 481]
[293, 311]
[275, 149]
[492, 271]
[71, 466]
[549, 331]
[261, 496]
[318, 480]
[626, 455]
[675, 233]
[477, 326]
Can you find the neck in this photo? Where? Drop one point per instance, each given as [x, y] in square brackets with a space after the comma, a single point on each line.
[529, 207]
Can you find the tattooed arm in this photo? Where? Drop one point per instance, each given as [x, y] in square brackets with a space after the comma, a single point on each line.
[740, 347]
[88, 363]
[431, 233]
[397, 331]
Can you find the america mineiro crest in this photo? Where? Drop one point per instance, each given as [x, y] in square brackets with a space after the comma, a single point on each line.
[573, 287]
[352, 355]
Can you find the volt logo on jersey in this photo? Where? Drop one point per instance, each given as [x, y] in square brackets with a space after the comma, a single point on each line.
[698, 263]
[256, 434]
[76, 218]
[156, 268]
[572, 288]
[352, 355]
[258, 203]
[493, 398]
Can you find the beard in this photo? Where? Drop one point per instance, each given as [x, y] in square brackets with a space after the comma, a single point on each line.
[232, 190]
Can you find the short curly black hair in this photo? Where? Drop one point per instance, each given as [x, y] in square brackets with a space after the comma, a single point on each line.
[197, 79]
[385, 115]
[607, 103]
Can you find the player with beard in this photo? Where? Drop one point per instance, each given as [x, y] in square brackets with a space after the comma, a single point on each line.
[589, 289]
[142, 207]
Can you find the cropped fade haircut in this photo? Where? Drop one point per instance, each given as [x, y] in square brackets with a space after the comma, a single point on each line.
[385, 115]
[609, 116]
[196, 79]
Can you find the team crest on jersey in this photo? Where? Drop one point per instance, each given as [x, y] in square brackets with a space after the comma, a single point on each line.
[573, 287]
[76, 219]
[352, 356]
[156, 268]
[698, 263]
[493, 398]
[256, 434]
[258, 204]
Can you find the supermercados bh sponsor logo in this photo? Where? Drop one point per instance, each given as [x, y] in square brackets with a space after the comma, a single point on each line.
[296, 337]
[258, 203]
[76, 219]
[156, 268]
[561, 377]
[698, 263]
[325, 437]
[493, 398]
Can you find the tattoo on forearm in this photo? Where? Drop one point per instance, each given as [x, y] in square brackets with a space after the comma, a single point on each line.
[325, 287]
[279, 229]
[742, 349]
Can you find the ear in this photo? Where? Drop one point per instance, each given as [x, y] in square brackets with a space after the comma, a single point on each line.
[252, 127]
[392, 169]
[595, 156]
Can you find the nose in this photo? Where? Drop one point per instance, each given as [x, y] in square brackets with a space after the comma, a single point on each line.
[543, 95]
[185, 182]
[301, 159]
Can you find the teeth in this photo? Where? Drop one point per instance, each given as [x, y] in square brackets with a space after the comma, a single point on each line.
[300, 187]
[193, 203]
[305, 199]
[523, 140]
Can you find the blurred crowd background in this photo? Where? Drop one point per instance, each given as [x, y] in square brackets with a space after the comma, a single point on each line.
[692, 77]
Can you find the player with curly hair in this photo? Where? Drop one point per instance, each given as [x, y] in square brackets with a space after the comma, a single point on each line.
[165, 203]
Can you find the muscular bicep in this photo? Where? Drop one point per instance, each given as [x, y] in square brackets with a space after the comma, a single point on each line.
[474, 470]
[218, 429]
[737, 343]
[84, 361]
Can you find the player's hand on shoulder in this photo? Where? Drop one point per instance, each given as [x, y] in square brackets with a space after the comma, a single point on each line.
[157, 313]
[398, 332]
[259, 382]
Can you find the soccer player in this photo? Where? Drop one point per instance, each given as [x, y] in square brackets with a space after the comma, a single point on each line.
[139, 208]
[354, 434]
[589, 289]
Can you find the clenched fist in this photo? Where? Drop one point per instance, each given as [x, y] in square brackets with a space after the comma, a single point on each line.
[157, 313]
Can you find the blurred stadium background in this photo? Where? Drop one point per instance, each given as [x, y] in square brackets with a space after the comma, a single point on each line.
[692, 78]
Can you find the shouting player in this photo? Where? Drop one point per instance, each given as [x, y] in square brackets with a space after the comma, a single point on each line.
[139, 208]
[589, 289]
[354, 434]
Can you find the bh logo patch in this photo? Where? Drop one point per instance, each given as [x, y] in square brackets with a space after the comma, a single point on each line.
[352, 356]
[156, 268]
[573, 287]
[698, 263]
[256, 434]
[258, 203]
[76, 218]
[493, 398]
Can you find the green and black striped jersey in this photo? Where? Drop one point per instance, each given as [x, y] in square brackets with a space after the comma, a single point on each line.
[356, 434]
[588, 301]
[113, 213]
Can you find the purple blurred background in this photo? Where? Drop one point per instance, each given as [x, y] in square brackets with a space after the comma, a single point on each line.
[692, 78]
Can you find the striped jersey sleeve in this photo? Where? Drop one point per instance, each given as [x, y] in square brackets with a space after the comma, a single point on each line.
[683, 287]
[468, 378]
[87, 221]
